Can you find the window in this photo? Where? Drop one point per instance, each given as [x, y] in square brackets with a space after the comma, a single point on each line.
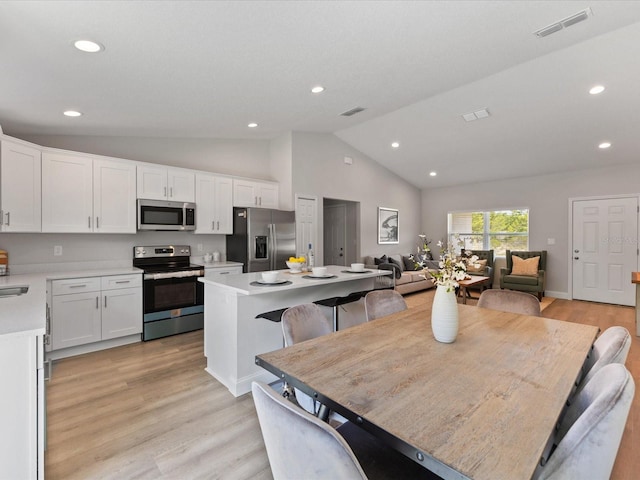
[498, 230]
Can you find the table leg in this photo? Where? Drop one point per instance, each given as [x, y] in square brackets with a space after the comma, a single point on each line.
[323, 413]
[464, 295]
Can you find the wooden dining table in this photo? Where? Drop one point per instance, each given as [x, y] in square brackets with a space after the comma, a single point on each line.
[483, 407]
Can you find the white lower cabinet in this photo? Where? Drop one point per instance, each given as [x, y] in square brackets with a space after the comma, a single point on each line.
[21, 407]
[87, 310]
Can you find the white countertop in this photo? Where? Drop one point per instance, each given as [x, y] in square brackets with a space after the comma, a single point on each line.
[241, 283]
[27, 314]
[221, 264]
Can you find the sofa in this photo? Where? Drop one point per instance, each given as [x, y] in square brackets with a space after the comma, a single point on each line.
[408, 279]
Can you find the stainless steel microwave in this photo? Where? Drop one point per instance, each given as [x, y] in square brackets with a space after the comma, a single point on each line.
[162, 215]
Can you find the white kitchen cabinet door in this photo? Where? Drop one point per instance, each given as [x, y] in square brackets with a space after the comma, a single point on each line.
[20, 189]
[18, 407]
[67, 193]
[114, 197]
[181, 183]
[249, 193]
[76, 319]
[224, 205]
[152, 182]
[245, 193]
[214, 204]
[121, 312]
[268, 195]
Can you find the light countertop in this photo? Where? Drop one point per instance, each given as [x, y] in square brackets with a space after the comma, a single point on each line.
[241, 283]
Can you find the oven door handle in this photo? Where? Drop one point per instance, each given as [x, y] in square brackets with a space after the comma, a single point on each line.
[185, 274]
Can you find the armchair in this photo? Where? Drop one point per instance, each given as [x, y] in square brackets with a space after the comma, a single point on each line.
[486, 270]
[525, 283]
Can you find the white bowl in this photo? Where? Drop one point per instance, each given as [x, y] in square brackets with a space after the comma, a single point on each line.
[270, 277]
[295, 266]
[357, 267]
[319, 271]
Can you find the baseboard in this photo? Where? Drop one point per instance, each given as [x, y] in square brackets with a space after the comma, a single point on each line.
[560, 295]
[92, 347]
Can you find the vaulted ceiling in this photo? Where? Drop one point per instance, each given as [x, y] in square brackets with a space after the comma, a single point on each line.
[208, 68]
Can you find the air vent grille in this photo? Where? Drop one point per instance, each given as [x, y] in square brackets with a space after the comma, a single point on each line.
[564, 23]
[352, 112]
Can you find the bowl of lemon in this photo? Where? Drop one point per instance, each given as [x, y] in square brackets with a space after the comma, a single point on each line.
[296, 264]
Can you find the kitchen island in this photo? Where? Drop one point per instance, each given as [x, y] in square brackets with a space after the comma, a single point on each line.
[233, 336]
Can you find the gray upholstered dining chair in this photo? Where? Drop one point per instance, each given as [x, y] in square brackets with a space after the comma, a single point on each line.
[510, 301]
[300, 323]
[591, 430]
[380, 303]
[612, 346]
[301, 446]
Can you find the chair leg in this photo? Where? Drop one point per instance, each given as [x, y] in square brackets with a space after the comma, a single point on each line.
[540, 296]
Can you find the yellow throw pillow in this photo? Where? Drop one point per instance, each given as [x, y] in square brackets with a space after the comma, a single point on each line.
[525, 267]
[479, 266]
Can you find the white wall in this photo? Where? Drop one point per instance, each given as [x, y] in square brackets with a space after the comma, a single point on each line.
[281, 162]
[245, 158]
[319, 169]
[546, 196]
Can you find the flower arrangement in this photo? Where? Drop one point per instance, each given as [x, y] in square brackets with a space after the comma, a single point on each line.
[452, 268]
[423, 247]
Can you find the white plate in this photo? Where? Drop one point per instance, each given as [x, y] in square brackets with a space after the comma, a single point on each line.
[277, 282]
[357, 271]
[326, 275]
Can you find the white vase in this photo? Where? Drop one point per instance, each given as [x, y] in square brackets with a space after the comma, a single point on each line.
[444, 315]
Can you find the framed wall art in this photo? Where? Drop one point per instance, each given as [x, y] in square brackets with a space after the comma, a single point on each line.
[387, 225]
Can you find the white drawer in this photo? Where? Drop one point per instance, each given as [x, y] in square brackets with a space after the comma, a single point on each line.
[222, 271]
[75, 285]
[121, 281]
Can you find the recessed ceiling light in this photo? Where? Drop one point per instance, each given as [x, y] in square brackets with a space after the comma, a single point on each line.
[88, 46]
[395, 144]
[433, 174]
[604, 145]
[596, 90]
[252, 125]
[317, 89]
[72, 113]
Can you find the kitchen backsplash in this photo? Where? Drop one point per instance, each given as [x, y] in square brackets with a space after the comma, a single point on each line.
[32, 253]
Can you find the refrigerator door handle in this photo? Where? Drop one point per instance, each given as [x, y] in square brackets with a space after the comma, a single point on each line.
[273, 247]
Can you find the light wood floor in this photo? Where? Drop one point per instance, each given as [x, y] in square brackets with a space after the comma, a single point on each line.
[150, 411]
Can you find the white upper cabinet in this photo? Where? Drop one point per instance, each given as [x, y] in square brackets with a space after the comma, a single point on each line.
[83, 195]
[250, 193]
[156, 182]
[67, 193]
[214, 204]
[20, 190]
[114, 196]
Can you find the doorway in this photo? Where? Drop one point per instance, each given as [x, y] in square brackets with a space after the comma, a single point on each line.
[340, 231]
[604, 249]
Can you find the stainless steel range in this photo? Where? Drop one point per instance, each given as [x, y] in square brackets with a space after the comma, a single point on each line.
[172, 296]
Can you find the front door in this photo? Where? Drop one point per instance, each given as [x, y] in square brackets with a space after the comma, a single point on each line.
[605, 249]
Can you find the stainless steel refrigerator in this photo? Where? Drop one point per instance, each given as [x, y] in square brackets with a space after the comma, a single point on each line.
[263, 239]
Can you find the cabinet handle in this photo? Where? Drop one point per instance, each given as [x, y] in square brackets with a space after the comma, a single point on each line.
[165, 192]
[224, 273]
[218, 222]
[8, 213]
[171, 192]
[213, 227]
[97, 303]
[97, 222]
[89, 221]
[1, 217]
[105, 301]
[260, 200]
[123, 281]
[256, 201]
[79, 285]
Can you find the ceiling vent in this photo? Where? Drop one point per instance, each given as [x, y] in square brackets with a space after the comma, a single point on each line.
[352, 112]
[564, 23]
[478, 114]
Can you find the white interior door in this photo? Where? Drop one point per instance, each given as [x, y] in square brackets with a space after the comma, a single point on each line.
[605, 249]
[306, 224]
[335, 219]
